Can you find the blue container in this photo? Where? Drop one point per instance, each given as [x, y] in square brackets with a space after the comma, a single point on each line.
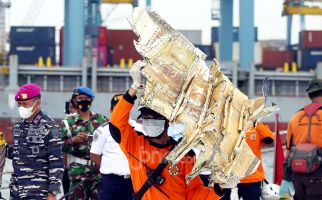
[215, 34]
[310, 58]
[29, 54]
[208, 50]
[32, 35]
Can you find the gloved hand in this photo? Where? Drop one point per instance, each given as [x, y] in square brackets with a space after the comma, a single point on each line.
[286, 189]
[136, 75]
[232, 182]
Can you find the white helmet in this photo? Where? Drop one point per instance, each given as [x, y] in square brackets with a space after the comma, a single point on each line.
[270, 192]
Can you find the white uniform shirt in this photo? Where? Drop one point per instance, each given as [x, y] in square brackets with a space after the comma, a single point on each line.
[113, 159]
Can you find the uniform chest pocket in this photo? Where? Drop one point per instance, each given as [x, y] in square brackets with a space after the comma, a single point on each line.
[36, 140]
[37, 145]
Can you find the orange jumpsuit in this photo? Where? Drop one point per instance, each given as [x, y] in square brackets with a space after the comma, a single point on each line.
[174, 187]
[254, 139]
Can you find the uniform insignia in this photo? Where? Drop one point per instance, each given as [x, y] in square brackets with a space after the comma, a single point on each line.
[24, 95]
[36, 120]
[95, 137]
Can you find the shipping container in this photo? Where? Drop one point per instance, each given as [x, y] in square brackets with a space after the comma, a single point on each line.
[125, 52]
[208, 50]
[215, 34]
[310, 39]
[120, 37]
[29, 54]
[273, 59]
[309, 58]
[32, 35]
[194, 36]
[274, 44]
[102, 36]
[236, 52]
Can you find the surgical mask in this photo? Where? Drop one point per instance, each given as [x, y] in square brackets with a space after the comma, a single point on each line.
[25, 113]
[153, 127]
[84, 105]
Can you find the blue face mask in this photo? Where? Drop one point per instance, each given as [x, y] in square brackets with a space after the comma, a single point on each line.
[153, 127]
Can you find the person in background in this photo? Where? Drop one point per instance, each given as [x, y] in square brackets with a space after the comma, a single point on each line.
[70, 110]
[307, 186]
[78, 136]
[249, 187]
[146, 153]
[114, 167]
[37, 150]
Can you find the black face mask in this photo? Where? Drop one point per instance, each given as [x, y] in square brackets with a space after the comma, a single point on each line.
[84, 105]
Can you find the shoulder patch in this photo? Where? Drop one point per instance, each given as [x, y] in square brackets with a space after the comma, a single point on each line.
[96, 135]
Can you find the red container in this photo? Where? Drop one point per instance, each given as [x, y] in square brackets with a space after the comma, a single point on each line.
[102, 36]
[273, 59]
[125, 52]
[120, 37]
[102, 56]
[311, 39]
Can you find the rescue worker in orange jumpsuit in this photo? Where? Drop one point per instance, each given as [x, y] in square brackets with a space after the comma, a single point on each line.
[146, 153]
[249, 187]
[307, 186]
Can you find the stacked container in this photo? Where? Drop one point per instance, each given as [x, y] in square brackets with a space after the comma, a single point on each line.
[310, 51]
[208, 50]
[121, 47]
[31, 43]
[273, 59]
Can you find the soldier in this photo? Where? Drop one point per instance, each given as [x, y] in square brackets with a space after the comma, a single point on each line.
[77, 134]
[37, 150]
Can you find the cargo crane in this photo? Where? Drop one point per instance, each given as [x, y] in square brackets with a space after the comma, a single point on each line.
[3, 6]
[299, 7]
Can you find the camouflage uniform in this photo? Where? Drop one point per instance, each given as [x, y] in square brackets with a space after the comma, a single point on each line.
[37, 159]
[86, 174]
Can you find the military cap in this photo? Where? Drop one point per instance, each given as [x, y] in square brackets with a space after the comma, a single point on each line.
[28, 91]
[84, 90]
[314, 86]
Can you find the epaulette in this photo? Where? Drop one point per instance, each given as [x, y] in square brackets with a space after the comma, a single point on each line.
[104, 124]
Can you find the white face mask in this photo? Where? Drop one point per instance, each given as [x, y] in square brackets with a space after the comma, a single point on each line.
[25, 113]
[153, 127]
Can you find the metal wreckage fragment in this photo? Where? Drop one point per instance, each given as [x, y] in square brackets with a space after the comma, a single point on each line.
[180, 86]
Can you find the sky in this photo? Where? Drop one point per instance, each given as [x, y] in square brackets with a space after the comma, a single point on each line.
[181, 14]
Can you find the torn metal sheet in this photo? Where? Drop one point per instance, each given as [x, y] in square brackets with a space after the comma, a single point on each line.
[180, 86]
